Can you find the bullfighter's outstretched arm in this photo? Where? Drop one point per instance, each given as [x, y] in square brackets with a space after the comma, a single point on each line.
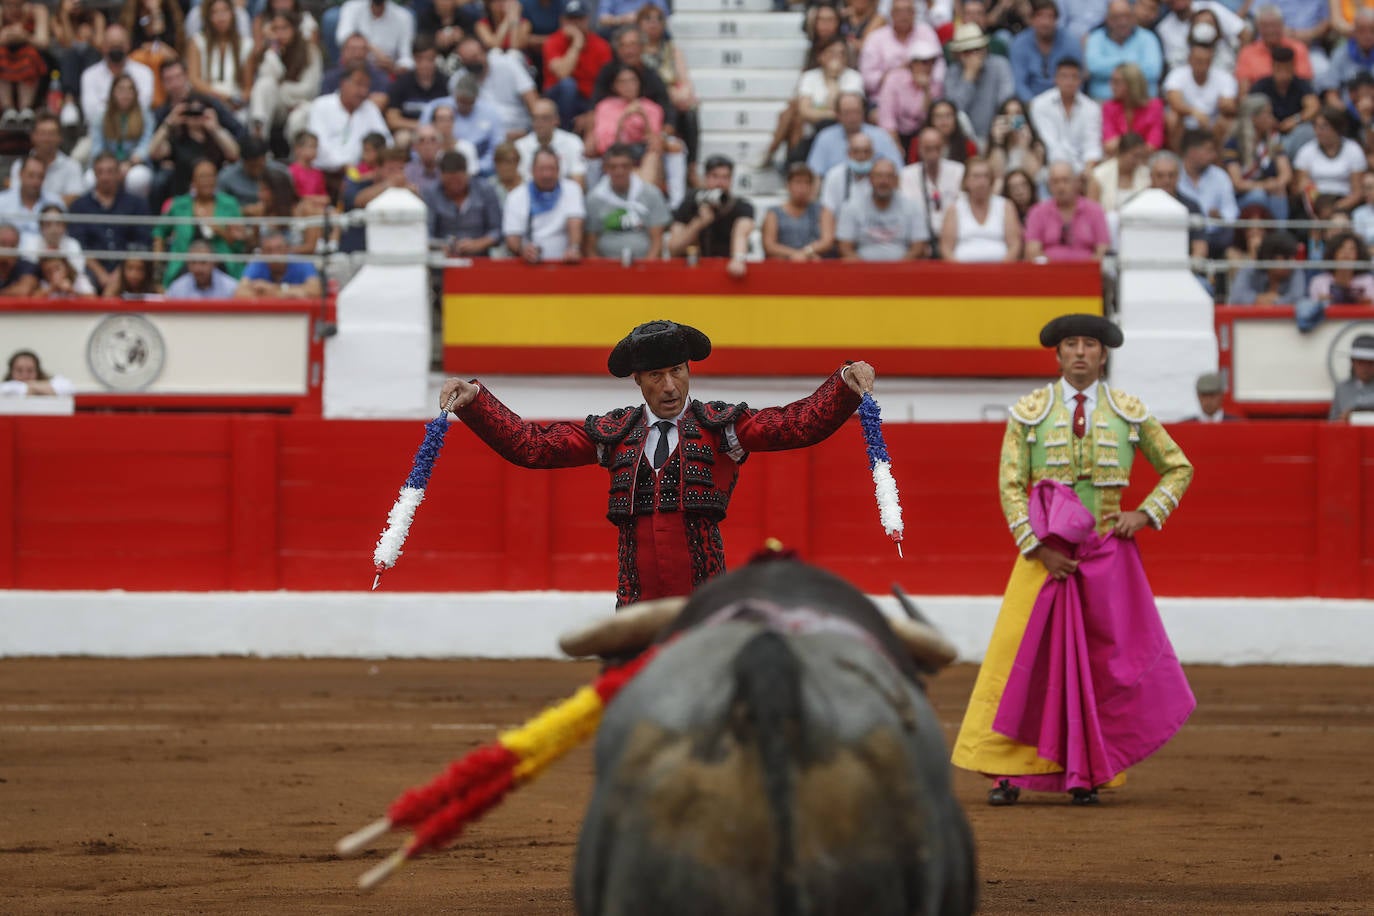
[808, 420]
[529, 445]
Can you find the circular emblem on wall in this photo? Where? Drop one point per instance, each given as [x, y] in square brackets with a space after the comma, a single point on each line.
[1338, 354]
[126, 352]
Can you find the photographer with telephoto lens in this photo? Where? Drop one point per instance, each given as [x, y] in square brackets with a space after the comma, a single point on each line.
[713, 220]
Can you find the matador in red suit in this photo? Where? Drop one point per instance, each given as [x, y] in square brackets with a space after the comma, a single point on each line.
[673, 462]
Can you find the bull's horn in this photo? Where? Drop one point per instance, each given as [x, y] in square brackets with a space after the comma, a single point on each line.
[928, 647]
[629, 630]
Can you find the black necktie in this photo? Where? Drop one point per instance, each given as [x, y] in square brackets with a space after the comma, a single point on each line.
[661, 450]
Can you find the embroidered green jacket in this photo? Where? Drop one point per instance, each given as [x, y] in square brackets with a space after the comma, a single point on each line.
[1039, 445]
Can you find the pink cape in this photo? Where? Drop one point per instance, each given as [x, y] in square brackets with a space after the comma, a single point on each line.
[1096, 686]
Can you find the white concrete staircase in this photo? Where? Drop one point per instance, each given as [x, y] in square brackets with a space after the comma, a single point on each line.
[745, 61]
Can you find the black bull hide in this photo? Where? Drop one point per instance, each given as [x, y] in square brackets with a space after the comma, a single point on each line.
[750, 770]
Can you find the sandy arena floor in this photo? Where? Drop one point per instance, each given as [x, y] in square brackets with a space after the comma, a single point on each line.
[220, 785]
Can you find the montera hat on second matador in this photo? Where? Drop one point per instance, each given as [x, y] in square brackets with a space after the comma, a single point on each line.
[1078, 325]
[657, 345]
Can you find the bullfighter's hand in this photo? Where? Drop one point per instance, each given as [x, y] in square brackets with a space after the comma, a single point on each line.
[1057, 564]
[859, 376]
[456, 393]
[1126, 523]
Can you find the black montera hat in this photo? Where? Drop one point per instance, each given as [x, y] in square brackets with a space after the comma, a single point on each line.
[1078, 325]
[655, 345]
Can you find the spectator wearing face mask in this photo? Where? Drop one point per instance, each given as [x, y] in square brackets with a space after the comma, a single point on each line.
[850, 177]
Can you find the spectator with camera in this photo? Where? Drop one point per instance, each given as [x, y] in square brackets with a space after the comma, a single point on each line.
[713, 221]
[626, 215]
[543, 218]
[880, 224]
[464, 215]
[190, 129]
[800, 228]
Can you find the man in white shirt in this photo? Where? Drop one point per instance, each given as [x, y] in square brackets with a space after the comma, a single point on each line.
[503, 83]
[63, 180]
[1069, 123]
[850, 177]
[21, 204]
[202, 279]
[1200, 95]
[543, 218]
[546, 133]
[97, 79]
[388, 27]
[933, 181]
[1174, 29]
[341, 120]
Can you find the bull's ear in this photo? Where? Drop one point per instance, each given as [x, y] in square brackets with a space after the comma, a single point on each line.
[927, 646]
[631, 629]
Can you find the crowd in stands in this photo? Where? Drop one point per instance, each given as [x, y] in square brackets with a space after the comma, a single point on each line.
[966, 130]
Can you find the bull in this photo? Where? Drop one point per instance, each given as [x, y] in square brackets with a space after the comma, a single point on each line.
[778, 756]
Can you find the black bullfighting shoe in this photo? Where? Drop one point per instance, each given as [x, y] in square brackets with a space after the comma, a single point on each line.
[1083, 797]
[1003, 794]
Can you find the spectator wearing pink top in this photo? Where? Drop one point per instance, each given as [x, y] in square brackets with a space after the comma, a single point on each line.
[309, 181]
[623, 116]
[1068, 226]
[1130, 110]
[906, 97]
[887, 51]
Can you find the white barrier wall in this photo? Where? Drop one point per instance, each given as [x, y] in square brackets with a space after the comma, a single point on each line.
[1165, 312]
[377, 365]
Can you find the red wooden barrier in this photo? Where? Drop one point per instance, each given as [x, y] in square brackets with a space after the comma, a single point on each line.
[266, 502]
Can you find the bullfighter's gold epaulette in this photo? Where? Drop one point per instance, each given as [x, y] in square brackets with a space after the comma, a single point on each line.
[1034, 407]
[1127, 406]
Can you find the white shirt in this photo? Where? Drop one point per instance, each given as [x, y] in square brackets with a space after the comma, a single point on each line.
[393, 33]
[340, 133]
[1074, 137]
[1220, 85]
[835, 189]
[936, 196]
[97, 79]
[548, 230]
[1067, 392]
[1172, 33]
[572, 162]
[32, 247]
[1332, 176]
[25, 219]
[731, 440]
[63, 178]
[812, 85]
[503, 87]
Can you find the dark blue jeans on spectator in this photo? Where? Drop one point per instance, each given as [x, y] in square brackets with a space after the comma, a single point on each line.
[570, 102]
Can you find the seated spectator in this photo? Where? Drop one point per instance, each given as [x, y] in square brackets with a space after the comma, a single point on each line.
[859, 21]
[628, 51]
[1293, 100]
[108, 198]
[1324, 212]
[1211, 390]
[547, 133]
[663, 56]
[389, 29]
[1012, 141]
[932, 182]
[1270, 285]
[1069, 123]
[202, 278]
[76, 34]
[832, 144]
[543, 219]
[506, 177]
[18, 276]
[1309, 24]
[1131, 110]
[981, 226]
[57, 279]
[156, 36]
[1255, 158]
[126, 132]
[1209, 186]
[1201, 97]
[1362, 219]
[218, 59]
[241, 179]
[1255, 60]
[977, 83]
[950, 121]
[278, 279]
[1356, 392]
[52, 240]
[904, 102]
[194, 22]
[799, 229]
[132, 279]
[261, 30]
[503, 26]
[473, 121]
[206, 204]
[612, 15]
[21, 204]
[626, 216]
[308, 181]
[23, 41]
[625, 116]
[503, 84]
[1067, 226]
[573, 56]
[190, 128]
[1344, 285]
[422, 170]
[1036, 51]
[815, 101]
[849, 177]
[1176, 30]
[880, 224]
[1330, 163]
[359, 190]
[822, 27]
[544, 22]
[24, 376]
[279, 206]
[374, 144]
[975, 12]
[412, 91]
[1019, 188]
[341, 120]
[353, 53]
[1082, 17]
[886, 49]
[1120, 40]
[97, 78]
[1247, 240]
[62, 180]
[446, 23]
[1118, 178]
[713, 221]
[464, 215]
[1352, 56]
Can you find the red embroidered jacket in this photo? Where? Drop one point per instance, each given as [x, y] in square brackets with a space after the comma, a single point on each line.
[669, 539]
